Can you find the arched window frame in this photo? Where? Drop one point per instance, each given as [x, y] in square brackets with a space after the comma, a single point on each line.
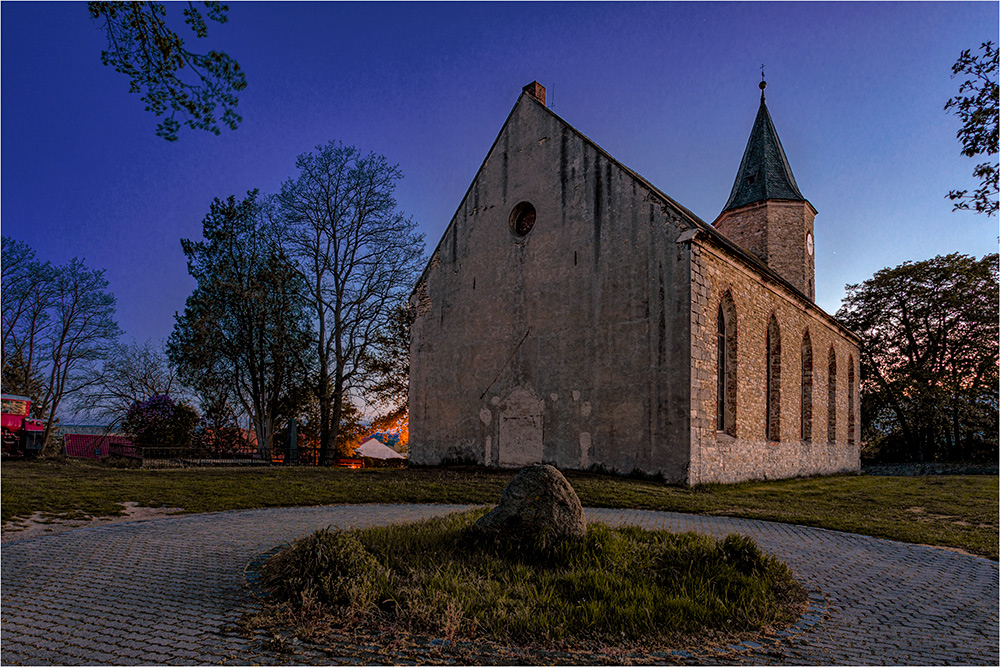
[806, 394]
[772, 416]
[831, 397]
[726, 362]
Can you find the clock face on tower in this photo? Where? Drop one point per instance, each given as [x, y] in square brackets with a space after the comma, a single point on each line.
[809, 243]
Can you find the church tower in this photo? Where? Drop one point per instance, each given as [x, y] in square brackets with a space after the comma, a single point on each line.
[766, 214]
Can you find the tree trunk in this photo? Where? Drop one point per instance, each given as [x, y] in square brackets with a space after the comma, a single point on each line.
[325, 444]
[265, 434]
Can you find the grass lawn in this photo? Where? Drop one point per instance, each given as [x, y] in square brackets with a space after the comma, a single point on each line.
[951, 511]
[612, 586]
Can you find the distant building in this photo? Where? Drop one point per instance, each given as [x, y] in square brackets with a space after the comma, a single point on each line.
[387, 439]
[86, 429]
[374, 448]
[572, 313]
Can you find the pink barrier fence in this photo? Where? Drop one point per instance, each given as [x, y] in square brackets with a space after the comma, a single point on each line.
[92, 446]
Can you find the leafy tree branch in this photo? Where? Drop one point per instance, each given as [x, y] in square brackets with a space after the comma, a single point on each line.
[154, 58]
[976, 107]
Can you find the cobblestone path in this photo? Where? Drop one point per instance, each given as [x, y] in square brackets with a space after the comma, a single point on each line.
[888, 603]
[168, 591]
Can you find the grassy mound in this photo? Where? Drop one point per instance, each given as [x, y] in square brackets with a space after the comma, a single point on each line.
[622, 585]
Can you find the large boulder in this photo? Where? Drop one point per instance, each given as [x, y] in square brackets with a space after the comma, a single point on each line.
[537, 504]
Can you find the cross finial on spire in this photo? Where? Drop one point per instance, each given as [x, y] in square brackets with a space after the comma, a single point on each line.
[763, 84]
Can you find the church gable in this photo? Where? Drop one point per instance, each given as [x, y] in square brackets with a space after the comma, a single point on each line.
[582, 198]
[559, 275]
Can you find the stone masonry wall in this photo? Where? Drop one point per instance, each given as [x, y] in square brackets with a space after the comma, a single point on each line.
[775, 232]
[567, 345]
[719, 457]
[788, 224]
[747, 228]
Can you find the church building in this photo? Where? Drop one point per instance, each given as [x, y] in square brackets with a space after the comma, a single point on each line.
[576, 315]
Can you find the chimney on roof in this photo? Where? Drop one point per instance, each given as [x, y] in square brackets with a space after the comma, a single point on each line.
[536, 90]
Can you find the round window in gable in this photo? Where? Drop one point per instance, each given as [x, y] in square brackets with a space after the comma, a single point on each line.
[522, 219]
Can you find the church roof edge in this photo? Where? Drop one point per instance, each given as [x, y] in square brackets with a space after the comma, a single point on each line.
[686, 216]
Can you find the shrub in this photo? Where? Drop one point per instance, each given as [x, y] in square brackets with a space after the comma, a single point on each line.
[330, 566]
[160, 421]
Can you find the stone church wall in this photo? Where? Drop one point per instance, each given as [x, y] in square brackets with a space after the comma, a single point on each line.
[719, 457]
[786, 243]
[567, 345]
[774, 232]
[591, 339]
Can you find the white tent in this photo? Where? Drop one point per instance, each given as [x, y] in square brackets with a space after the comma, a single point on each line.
[372, 448]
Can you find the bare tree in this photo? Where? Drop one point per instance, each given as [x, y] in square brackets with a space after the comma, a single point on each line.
[82, 333]
[28, 292]
[57, 324]
[358, 257]
[131, 373]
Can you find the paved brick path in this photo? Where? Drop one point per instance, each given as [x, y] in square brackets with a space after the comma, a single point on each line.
[169, 591]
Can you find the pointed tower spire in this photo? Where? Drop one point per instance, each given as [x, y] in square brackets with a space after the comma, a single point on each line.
[766, 214]
[764, 172]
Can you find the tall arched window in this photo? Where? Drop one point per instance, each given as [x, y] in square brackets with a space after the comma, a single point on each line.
[831, 399]
[720, 384]
[773, 416]
[725, 412]
[850, 400]
[806, 414]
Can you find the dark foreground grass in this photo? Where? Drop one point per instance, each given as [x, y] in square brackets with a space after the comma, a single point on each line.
[443, 578]
[951, 511]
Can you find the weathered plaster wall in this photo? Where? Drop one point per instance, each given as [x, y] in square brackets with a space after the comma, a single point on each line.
[568, 345]
[718, 457]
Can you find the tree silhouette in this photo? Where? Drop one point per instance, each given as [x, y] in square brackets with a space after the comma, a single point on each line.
[929, 346]
[358, 257]
[243, 327]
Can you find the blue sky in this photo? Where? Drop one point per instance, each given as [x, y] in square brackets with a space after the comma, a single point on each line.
[856, 91]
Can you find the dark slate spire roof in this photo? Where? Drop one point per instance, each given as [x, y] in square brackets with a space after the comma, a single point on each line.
[764, 172]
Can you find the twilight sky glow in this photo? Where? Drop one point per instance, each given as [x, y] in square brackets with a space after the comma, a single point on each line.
[856, 91]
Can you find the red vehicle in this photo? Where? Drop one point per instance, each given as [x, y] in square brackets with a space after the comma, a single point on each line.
[22, 436]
